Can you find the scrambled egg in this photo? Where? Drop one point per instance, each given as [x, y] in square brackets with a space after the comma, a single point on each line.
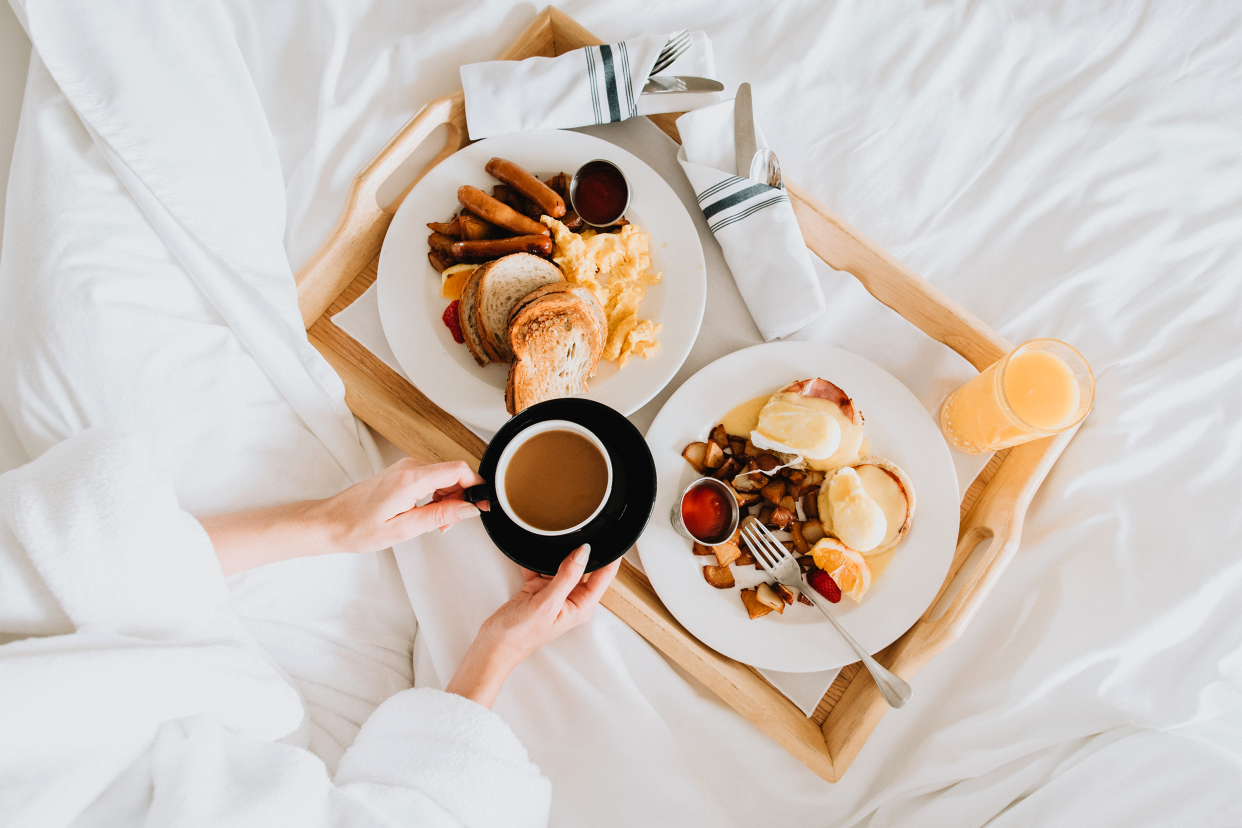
[616, 267]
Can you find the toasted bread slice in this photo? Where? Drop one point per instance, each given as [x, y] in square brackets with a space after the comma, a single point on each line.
[557, 336]
[467, 319]
[502, 284]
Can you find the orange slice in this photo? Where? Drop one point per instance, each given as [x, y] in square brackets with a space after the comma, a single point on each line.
[453, 280]
[846, 566]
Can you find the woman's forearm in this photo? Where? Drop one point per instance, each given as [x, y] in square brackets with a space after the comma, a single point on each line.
[366, 517]
[245, 540]
[481, 673]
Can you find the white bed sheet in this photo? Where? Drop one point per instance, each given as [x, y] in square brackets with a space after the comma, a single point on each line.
[1062, 170]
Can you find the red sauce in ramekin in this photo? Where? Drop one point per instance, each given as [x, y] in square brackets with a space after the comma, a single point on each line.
[705, 513]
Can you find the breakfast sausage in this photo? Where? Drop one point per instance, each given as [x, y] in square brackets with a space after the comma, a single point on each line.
[529, 186]
[486, 250]
[489, 209]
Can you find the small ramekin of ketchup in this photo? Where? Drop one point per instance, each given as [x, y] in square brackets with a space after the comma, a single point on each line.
[599, 193]
[706, 512]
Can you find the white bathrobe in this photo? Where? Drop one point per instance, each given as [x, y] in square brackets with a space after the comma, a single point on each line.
[131, 694]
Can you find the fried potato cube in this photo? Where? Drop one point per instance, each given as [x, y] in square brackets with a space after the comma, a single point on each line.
[810, 503]
[802, 599]
[747, 559]
[774, 491]
[700, 549]
[799, 540]
[813, 531]
[721, 577]
[474, 228]
[784, 593]
[782, 517]
[767, 462]
[728, 470]
[695, 454]
[438, 261]
[719, 437]
[765, 596]
[745, 498]
[713, 456]
[726, 553]
[765, 515]
[753, 608]
[738, 446]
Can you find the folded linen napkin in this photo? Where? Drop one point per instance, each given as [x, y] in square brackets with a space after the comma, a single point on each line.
[593, 85]
[754, 224]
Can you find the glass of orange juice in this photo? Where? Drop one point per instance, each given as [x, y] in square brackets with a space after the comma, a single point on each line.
[1041, 387]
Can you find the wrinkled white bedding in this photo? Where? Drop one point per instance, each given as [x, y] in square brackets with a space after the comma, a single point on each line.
[1062, 170]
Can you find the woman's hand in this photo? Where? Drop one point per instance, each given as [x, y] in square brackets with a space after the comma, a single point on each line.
[543, 609]
[366, 517]
[380, 511]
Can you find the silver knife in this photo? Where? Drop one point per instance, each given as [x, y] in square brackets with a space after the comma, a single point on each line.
[743, 130]
[661, 84]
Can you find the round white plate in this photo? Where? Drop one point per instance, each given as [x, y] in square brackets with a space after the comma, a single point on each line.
[409, 288]
[898, 428]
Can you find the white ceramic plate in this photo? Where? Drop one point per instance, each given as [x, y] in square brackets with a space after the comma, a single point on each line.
[409, 288]
[898, 428]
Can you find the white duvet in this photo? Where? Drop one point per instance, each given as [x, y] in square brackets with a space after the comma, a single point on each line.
[1061, 169]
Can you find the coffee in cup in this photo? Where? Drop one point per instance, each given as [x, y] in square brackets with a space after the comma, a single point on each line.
[553, 478]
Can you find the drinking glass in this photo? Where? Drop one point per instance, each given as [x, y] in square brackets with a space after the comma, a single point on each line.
[1042, 387]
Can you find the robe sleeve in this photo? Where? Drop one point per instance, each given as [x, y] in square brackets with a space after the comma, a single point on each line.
[426, 744]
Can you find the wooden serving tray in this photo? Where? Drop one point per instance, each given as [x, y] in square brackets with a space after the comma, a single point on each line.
[993, 508]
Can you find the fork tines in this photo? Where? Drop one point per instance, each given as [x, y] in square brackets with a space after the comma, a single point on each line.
[769, 551]
[673, 49]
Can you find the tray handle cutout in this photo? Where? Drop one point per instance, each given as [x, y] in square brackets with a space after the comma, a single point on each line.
[359, 232]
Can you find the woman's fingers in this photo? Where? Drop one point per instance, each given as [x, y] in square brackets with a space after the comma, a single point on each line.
[455, 491]
[586, 595]
[440, 515]
[428, 479]
[568, 574]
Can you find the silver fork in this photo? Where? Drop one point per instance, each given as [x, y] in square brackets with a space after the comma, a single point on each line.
[673, 49]
[777, 562]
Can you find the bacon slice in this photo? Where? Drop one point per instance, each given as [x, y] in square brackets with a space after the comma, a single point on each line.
[825, 390]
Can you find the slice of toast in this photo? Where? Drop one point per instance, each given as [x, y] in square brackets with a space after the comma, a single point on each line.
[467, 319]
[557, 336]
[502, 284]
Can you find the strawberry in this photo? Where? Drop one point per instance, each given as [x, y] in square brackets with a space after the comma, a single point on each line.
[822, 583]
[450, 320]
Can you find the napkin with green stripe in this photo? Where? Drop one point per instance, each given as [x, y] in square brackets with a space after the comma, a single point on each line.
[754, 224]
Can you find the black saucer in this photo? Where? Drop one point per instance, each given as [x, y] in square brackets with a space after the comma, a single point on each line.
[615, 529]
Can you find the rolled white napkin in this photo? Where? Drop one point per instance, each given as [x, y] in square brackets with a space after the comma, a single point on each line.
[754, 224]
[594, 85]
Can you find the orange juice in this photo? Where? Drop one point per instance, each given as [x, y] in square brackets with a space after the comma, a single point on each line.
[1042, 387]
